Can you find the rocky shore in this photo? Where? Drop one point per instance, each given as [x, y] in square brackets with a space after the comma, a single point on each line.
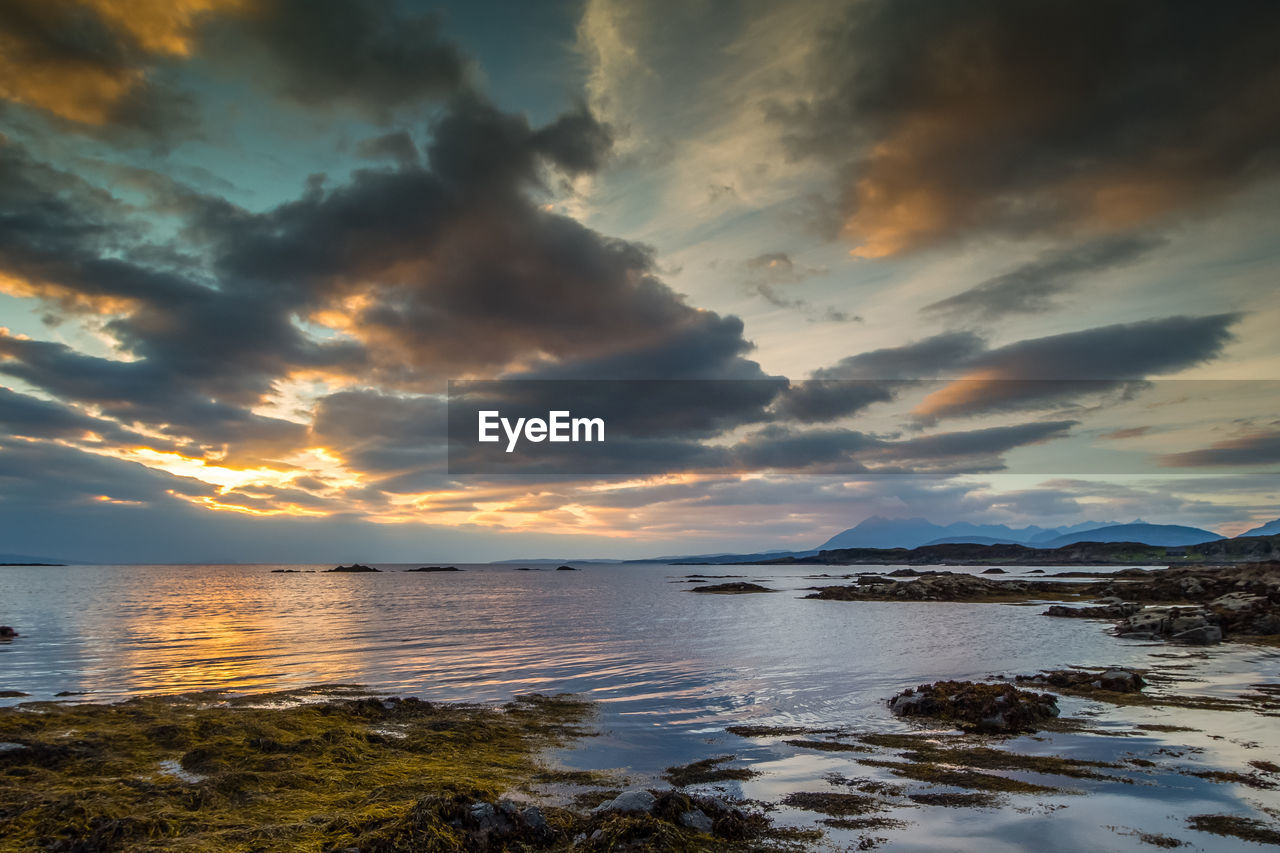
[333, 770]
[1191, 604]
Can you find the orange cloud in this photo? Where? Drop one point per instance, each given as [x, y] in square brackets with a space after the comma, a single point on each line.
[85, 79]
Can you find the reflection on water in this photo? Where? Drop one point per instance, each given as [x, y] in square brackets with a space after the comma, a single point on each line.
[671, 669]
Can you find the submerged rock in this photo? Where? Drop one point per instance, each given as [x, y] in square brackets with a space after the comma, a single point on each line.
[1116, 680]
[997, 708]
[732, 588]
[1117, 610]
[930, 586]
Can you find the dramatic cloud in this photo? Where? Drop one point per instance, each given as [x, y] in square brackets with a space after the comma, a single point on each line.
[106, 65]
[1059, 369]
[948, 119]
[1034, 287]
[876, 376]
[374, 55]
[87, 63]
[1254, 449]
[242, 331]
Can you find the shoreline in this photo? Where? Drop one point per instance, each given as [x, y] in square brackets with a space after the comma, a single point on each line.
[338, 769]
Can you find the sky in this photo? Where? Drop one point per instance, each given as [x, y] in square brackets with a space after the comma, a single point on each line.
[1003, 262]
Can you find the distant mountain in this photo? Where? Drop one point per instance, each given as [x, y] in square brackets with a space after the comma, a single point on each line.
[27, 559]
[878, 532]
[1146, 534]
[1242, 550]
[1055, 532]
[1271, 528]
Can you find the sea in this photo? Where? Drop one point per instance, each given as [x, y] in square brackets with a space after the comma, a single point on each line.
[670, 670]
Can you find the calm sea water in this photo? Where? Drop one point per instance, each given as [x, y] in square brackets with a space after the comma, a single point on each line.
[669, 668]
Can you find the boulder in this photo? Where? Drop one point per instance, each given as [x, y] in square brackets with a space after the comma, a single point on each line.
[993, 708]
[1238, 602]
[635, 801]
[994, 571]
[1186, 624]
[697, 820]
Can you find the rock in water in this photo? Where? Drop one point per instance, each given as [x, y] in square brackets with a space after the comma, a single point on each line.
[732, 588]
[1115, 680]
[354, 567]
[7, 633]
[995, 708]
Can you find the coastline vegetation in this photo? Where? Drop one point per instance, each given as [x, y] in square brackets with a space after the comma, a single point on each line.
[328, 770]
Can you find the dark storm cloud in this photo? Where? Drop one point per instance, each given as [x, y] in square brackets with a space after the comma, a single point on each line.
[1060, 369]
[146, 392]
[577, 142]
[457, 270]
[106, 68]
[936, 356]
[948, 119]
[84, 67]
[50, 476]
[399, 442]
[431, 271]
[1254, 449]
[29, 417]
[991, 441]
[1034, 287]
[374, 55]
[846, 451]
[1030, 374]
[877, 376]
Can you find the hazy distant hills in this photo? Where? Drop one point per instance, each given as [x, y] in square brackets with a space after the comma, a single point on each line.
[877, 532]
[1271, 528]
[1147, 534]
[1238, 550]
